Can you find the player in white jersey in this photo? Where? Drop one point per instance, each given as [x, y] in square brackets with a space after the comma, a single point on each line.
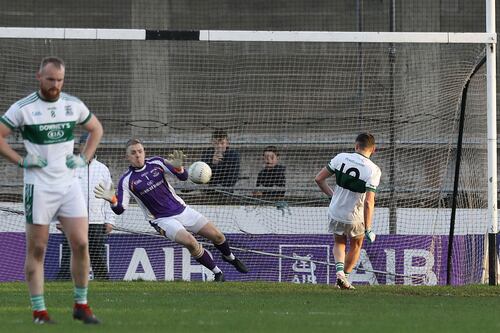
[46, 120]
[352, 203]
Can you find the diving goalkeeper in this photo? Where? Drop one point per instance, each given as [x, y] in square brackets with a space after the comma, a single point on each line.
[352, 204]
[146, 181]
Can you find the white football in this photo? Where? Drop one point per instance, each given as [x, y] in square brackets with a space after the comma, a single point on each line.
[200, 172]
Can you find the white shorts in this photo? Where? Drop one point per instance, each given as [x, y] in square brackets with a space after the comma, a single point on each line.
[44, 204]
[351, 230]
[189, 219]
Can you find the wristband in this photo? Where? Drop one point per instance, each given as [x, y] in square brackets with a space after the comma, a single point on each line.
[20, 163]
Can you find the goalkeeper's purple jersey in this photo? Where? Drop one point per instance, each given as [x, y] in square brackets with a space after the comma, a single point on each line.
[151, 190]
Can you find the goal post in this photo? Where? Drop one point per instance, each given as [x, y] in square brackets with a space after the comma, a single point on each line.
[307, 93]
[491, 94]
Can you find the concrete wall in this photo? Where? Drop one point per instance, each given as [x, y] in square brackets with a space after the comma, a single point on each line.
[346, 15]
[308, 100]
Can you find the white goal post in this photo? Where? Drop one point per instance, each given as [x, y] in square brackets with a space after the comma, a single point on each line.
[249, 36]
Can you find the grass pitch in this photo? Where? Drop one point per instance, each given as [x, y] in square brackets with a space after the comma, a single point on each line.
[143, 307]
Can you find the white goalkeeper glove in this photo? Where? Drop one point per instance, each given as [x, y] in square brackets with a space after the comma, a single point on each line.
[76, 161]
[370, 236]
[108, 194]
[176, 159]
[32, 161]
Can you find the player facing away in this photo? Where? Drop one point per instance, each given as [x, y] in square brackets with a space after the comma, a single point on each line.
[146, 181]
[352, 203]
[46, 119]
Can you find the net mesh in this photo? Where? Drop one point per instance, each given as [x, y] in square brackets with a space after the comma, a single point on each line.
[310, 100]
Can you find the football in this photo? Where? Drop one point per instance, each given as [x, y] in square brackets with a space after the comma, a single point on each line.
[200, 172]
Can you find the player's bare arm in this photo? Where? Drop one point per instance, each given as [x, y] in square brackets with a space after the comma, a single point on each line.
[29, 161]
[369, 207]
[94, 127]
[321, 178]
[5, 149]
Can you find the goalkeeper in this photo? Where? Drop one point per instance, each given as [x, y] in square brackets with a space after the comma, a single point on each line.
[352, 204]
[146, 181]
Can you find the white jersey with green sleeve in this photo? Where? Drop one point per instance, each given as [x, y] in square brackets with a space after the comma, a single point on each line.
[355, 174]
[47, 130]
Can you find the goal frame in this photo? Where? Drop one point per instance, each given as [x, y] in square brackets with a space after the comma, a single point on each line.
[489, 38]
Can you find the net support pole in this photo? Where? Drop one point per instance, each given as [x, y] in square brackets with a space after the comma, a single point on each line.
[491, 87]
[451, 235]
[392, 129]
[463, 107]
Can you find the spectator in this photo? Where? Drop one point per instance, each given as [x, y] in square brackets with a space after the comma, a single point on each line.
[224, 161]
[272, 175]
[101, 219]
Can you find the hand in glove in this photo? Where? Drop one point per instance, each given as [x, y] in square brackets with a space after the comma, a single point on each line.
[370, 236]
[76, 161]
[176, 159]
[108, 194]
[32, 161]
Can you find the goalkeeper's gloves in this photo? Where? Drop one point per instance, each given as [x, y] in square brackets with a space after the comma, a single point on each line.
[32, 161]
[101, 192]
[76, 161]
[370, 236]
[176, 159]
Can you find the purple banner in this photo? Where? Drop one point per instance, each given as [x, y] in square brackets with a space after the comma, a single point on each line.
[281, 258]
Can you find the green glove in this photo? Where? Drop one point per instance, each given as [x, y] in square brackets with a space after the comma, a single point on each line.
[32, 161]
[370, 236]
[76, 161]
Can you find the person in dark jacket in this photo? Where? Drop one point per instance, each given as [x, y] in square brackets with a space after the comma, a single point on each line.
[224, 161]
[272, 175]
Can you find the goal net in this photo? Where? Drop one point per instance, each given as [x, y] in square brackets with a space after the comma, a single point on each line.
[309, 100]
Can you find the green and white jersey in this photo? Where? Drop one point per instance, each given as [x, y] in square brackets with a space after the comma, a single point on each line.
[47, 130]
[355, 174]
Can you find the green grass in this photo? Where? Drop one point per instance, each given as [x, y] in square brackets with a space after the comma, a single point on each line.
[143, 307]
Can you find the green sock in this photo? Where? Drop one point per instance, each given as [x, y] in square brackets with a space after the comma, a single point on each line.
[37, 303]
[347, 274]
[80, 295]
[339, 267]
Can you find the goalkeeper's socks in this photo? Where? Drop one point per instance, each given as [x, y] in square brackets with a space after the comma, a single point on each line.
[225, 250]
[37, 303]
[206, 260]
[339, 267]
[80, 295]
